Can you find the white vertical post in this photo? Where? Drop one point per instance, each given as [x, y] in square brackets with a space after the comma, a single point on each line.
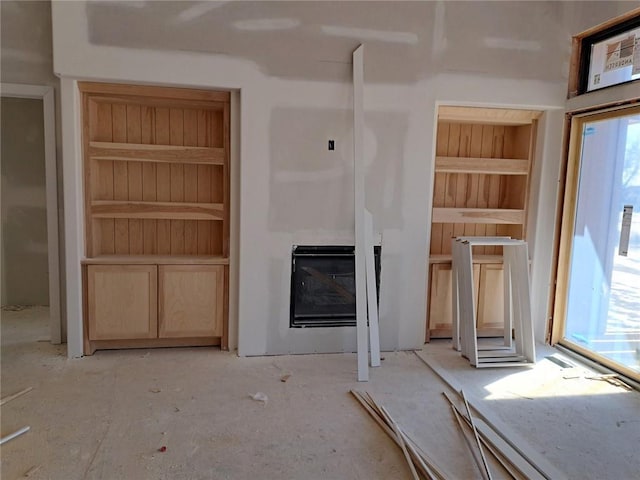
[507, 261]
[372, 294]
[73, 212]
[455, 303]
[55, 321]
[358, 181]
[467, 312]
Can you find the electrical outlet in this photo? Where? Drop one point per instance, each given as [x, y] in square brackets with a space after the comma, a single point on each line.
[332, 145]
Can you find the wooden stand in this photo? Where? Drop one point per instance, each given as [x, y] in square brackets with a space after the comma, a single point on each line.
[157, 216]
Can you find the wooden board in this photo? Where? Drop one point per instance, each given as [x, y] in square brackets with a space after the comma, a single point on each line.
[94, 345]
[478, 215]
[122, 302]
[128, 152]
[166, 210]
[156, 260]
[191, 301]
[492, 116]
[173, 93]
[499, 166]
[134, 134]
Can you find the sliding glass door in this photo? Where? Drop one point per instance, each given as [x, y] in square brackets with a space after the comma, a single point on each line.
[598, 295]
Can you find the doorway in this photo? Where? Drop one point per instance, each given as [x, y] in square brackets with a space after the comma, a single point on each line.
[30, 259]
[598, 300]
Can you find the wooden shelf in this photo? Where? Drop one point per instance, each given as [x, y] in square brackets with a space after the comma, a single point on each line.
[492, 116]
[154, 93]
[478, 215]
[133, 152]
[156, 260]
[157, 210]
[497, 166]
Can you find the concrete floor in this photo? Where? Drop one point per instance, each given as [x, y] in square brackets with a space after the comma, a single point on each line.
[107, 416]
[588, 429]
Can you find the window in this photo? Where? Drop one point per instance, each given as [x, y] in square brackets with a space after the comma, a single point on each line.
[606, 55]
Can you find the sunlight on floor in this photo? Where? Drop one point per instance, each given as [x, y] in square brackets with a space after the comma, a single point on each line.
[547, 380]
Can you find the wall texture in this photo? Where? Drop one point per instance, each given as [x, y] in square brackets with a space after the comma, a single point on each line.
[26, 57]
[25, 278]
[290, 189]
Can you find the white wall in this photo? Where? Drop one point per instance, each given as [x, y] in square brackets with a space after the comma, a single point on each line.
[293, 191]
[26, 57]
[25, 271]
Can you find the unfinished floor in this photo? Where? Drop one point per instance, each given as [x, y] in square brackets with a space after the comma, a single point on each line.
[107, 416]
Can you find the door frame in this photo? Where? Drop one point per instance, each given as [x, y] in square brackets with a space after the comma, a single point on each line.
[47, 95]
[567, 229]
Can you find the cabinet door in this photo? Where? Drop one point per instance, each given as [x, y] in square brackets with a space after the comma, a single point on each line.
[122, 302]
[191, 301]
[440, 307]
[491, 297]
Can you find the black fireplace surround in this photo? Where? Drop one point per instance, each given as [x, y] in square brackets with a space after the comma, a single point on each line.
[323, 286]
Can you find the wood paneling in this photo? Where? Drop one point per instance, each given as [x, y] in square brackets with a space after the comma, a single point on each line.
[490, 297]
[163, 181]
[481, 181]
[134, 135]
[149, 180]
[122, 302]
[440, 301]
[120, 178]
[191, 300]
[149, 165]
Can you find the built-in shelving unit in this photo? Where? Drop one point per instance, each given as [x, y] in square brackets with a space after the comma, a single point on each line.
[481, 188]
[156, 169]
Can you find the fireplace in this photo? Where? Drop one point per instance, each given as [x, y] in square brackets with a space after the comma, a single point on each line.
[323, 286]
